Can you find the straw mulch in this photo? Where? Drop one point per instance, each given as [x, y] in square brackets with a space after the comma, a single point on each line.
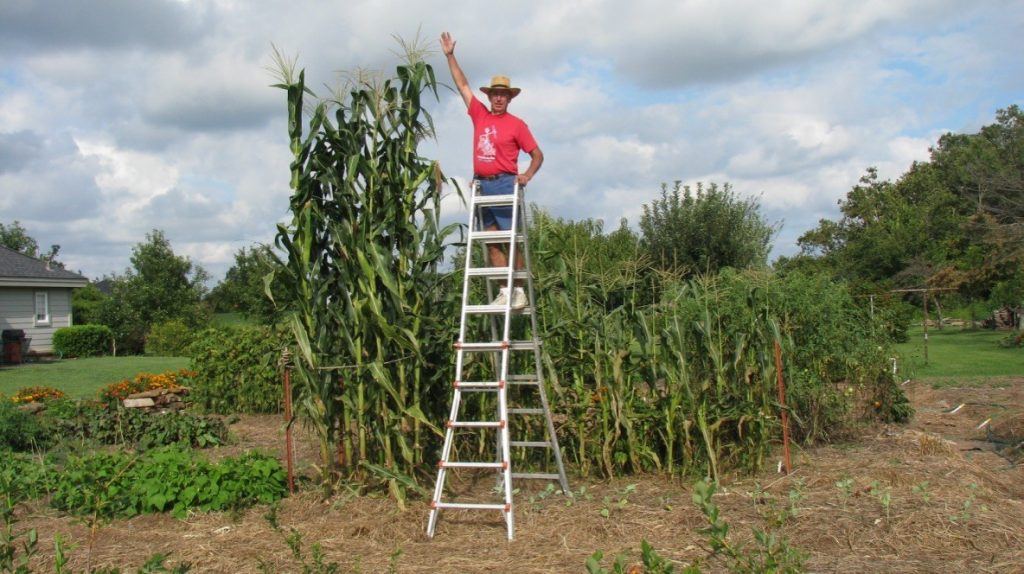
[952, 506]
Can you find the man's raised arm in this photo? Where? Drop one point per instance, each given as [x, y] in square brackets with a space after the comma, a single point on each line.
[448, 47]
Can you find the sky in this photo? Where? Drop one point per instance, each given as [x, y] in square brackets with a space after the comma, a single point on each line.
[118, 117]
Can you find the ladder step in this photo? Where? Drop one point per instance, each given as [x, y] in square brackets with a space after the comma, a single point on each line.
[498, 345]
[529, 443]
[496, 272]
[505, 199]
[526, 411]
[495, 309]
[535, 476]
[476, 424]
[498, 465]
[498, 236]
[530, 377]
[472, 506]
[477, 385]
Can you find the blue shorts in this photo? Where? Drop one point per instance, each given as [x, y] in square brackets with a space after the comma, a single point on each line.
[500, 216]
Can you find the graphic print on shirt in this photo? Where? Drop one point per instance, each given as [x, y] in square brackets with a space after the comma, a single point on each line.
[485, 150]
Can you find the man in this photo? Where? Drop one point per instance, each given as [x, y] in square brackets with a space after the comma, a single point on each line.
[498, 137]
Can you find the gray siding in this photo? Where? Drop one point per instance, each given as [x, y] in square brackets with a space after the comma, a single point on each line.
[17, 311]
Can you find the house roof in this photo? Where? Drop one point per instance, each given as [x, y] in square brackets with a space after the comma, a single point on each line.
[20, 270]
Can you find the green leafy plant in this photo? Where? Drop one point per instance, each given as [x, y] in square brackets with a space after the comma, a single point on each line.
[921, 489]
[771, 554]
[620, 501]
[966, 511]
[845, 487]
[109, 485]
[371, 316]
[88, 421]
[17, 547]
[236, 370]
[316, 563]
[579, 494]
[83, 341]
[21, 430]
[884, 496]
[170, 338]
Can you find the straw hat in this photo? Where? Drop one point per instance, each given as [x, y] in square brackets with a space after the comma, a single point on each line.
[501, 83]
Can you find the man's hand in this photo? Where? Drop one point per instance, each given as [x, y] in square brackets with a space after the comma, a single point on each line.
[448, 47]
[536, 159]
[447, 44]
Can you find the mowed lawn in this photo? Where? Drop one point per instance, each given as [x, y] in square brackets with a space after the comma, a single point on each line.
[958, 356]
[82, 378]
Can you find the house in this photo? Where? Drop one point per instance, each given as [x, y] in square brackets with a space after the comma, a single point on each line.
[35, 298]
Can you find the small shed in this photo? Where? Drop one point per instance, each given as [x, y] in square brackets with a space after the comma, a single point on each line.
[35, 297]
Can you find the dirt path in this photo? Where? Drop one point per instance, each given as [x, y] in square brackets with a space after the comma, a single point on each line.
[931, 496]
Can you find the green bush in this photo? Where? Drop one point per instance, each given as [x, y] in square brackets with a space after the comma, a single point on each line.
[24, 477]
[236, 370]
[82, 340]
[133, 427]
[169, 339]
[170, 479]
[19, 430]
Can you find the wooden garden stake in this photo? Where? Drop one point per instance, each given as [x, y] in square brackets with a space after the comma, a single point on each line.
[288, 444]
[785, 413]
[926, 326]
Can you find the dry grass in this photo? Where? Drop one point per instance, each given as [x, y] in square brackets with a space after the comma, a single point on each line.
[923, 531]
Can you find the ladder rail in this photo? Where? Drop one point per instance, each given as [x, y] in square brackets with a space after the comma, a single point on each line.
[539, 364]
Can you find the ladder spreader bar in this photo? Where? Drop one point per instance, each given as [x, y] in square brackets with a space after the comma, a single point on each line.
[505, 199]
[483, 309]
[495, 272]
[478, 385]
[530, 444]
[472, 506]
[498, 346]
[535, 475]
[503, 236]
[498, 465]
[476, 424]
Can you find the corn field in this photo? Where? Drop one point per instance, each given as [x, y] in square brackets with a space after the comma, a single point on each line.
[646, 372]
[363, 248]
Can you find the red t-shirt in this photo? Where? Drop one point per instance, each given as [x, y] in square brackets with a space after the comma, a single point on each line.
[497, 141]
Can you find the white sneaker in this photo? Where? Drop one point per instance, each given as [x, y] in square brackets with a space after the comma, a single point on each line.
[502, 298]
[519, 300]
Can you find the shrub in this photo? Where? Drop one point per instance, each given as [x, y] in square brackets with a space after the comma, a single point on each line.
[134, 427]
[141, 382]
[20, 430]
[36, 394]
[169, 339]
[82, 340]
[169, 479]
[236, 370]
[25, 477]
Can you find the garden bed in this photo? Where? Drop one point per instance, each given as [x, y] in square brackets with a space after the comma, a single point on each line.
[909, 506]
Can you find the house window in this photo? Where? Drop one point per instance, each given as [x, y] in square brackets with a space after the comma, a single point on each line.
[42, 308]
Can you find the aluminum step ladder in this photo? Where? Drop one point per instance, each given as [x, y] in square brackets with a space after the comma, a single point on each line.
[502, 350]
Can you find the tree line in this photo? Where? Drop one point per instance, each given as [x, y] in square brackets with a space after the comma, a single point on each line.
[953, 221]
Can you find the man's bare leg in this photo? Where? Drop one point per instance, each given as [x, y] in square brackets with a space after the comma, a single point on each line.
[499, 258]
[498, 254]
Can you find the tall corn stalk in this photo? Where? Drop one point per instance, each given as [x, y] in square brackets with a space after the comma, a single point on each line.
[362, 250]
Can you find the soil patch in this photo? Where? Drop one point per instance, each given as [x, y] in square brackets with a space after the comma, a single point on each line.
[932, 496]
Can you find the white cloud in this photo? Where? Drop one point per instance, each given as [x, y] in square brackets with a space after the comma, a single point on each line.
[789, 101]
